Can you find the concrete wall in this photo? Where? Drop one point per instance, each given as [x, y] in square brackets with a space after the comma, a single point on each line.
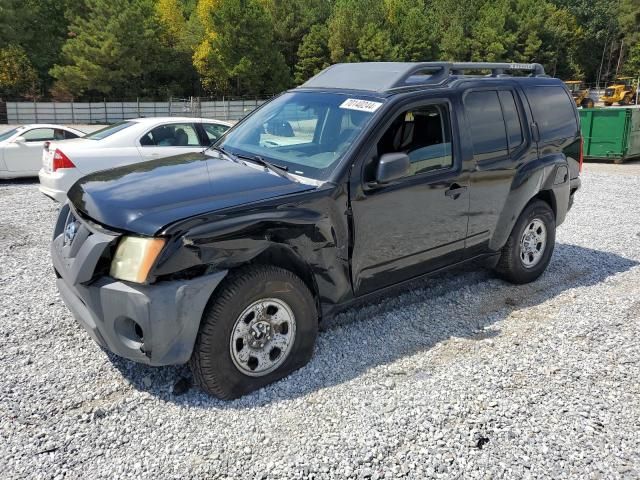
[110, 112]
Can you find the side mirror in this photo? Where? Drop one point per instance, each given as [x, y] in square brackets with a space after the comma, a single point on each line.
[20, 139]
[392, 166]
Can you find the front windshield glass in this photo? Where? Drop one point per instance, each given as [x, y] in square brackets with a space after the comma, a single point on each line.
[108, 131]
[307, 132]
[8, 134]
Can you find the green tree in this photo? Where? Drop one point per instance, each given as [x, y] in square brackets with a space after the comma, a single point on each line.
[349, 22]
[113, 49]
[237, 55]
[18, 77]
[292, 20]
[599, 27]
[410, 29]
[39, 27]
[313, 53]
[629, 21]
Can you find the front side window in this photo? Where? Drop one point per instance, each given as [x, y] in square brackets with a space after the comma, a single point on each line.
[41, 135]
[307, 132]
[424, 134]
[486, 124]
[214, 131]
[174, 135]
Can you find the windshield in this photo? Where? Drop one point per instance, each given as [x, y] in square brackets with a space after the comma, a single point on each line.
[108, 131]
[8, 134]
[307, 132]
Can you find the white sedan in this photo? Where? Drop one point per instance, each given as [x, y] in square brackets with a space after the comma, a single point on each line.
[21, 147]
[124, 143]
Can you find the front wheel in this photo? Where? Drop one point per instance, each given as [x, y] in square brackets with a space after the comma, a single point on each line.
[260, 327]
[528, 250]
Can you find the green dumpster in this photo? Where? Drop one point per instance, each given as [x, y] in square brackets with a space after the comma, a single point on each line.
[610, 133]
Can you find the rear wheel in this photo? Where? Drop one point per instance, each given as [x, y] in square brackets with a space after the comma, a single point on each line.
[528, 250]
[626, 100]
[259, 328]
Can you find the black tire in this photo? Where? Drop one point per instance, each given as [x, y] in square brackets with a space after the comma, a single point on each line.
[212, 365]
[511, 266]
[607, 104]
[587, 103]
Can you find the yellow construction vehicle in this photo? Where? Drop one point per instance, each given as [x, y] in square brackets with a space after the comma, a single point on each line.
[579, 93]
[622, 91]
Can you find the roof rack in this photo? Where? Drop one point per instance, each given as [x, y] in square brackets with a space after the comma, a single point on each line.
[390, 76]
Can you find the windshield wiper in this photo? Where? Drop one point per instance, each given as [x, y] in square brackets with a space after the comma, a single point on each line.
[223, 152]
[278, 169]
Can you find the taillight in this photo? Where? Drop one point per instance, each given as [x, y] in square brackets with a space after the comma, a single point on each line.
[581, 154]
[60, 160]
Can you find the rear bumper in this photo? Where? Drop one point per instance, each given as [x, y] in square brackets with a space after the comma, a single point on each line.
[55, 185]
[152, 324]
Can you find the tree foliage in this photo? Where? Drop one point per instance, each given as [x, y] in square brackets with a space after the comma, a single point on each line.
[237, 54]
[120, 48]
[18, 77]
[117, 46]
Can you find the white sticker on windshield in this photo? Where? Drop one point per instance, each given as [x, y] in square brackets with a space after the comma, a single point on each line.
[361, 105]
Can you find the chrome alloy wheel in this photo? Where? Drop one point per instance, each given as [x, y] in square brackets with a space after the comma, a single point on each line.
[262, 337]
[533, 243]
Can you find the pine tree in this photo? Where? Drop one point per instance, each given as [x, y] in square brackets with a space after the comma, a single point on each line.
[18, 77]
[237, 55]
[113, 50]
[313, 54]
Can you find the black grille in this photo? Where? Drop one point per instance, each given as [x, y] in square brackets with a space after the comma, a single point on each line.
[608, 92]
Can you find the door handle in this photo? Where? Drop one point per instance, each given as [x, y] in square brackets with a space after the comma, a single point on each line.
[455, 190]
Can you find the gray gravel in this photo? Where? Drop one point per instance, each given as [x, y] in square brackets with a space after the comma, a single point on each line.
[462, 376]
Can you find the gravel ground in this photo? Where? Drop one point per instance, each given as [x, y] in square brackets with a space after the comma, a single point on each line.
[463, 376]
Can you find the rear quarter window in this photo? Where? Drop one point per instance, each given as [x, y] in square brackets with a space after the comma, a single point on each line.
[553, 112]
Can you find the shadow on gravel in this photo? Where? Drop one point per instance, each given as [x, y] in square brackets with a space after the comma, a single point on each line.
[459, 303]
[19, 181]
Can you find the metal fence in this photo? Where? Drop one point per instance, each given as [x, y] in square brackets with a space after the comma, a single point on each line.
[110, 112]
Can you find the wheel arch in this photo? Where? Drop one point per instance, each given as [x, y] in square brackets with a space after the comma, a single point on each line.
[548, 182]
[283, 256]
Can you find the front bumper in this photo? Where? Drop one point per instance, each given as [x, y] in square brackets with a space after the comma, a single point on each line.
[152, 324]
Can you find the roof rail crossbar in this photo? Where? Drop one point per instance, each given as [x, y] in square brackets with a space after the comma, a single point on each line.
[391, 76]
[444, 69]
[458, 68]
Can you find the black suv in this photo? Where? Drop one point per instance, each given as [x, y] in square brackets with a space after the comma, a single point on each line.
[366, 176]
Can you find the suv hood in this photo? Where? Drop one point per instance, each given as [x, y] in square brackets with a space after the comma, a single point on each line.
[144, 197]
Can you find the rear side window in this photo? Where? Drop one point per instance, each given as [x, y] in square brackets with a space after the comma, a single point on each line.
[108, 131]
[511, 119]
[69, 135]
[486, 123]
[553, 112]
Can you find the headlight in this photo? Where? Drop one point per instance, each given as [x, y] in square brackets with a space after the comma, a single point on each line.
[134, 258]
